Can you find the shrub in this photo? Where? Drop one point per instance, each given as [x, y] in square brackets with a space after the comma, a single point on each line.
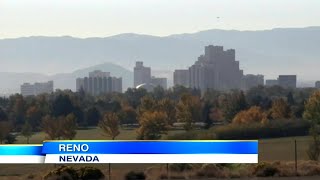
[10, 139]
[86, 173]
[212, 170]
[309, 168]
[266, 170]
[179, 167]
[272, 129]
[62, 173]
[69, 173]
[132, 175]
[30, 176]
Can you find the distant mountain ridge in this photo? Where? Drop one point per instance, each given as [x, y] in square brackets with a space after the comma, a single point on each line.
[268, 52]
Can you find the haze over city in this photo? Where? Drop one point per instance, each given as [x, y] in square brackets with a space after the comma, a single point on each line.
[56, 38]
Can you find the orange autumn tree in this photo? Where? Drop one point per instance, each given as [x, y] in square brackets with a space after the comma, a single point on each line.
[252, 115]
[280, 109]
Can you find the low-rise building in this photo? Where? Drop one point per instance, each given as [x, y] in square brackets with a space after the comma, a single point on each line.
[250, 80]
[37, 88]
[272, 82]
[287, 81]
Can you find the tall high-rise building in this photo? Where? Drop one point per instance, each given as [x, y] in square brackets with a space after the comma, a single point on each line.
[37, 88]
[250, 80]
[98, 83]
[216, 69]
[317, 85]
[287, 81]
[157, 81]
[181, 77]
[142, 74]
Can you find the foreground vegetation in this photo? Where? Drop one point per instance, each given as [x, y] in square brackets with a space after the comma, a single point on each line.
[176, 171]
[59, 115]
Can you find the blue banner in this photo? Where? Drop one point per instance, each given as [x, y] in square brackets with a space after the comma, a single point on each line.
[133, 147]
[20, 150]
[150, 147]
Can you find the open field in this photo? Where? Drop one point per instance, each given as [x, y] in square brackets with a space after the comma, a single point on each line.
[282, 149]
[269, 149]
[88, 134]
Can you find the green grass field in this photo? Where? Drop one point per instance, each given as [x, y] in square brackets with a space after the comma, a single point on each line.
[278, 149]
[89, 134]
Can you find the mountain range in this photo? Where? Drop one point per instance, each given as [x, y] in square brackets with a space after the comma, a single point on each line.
[269, 52]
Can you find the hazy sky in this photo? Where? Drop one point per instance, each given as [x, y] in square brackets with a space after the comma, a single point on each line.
[99, 18]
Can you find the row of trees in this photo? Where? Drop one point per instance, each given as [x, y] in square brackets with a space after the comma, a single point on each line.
[58, 114]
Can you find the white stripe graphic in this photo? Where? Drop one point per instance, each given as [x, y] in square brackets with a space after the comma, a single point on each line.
[21, 159]
[153, 158]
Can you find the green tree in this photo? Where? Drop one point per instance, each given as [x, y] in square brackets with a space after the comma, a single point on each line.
[62, 105]
[290, 99]
[152, 125]
[27, 131]
[110, 125]
[134, 96]
[18, 105]
[206, 111]
[92, 116]
[128, 115]
[233, 104]
[3, 115]
[158, 93]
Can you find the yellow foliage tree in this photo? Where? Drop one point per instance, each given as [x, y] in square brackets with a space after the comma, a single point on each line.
[312, 108]
[280, 109]
[152, 125]
[110, 125]
[254, 114]
[51, 126]
[188, 110]
[312, 113]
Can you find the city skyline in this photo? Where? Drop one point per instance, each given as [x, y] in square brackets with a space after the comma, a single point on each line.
[216, 69]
